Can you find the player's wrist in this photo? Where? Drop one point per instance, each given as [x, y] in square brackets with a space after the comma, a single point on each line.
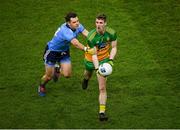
[96, 69]
[111, 62]
[85, 49]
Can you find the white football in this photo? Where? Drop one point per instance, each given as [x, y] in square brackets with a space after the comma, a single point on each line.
[105, 69]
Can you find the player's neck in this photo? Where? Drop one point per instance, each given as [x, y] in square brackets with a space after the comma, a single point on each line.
[101, 32]
[70, 27]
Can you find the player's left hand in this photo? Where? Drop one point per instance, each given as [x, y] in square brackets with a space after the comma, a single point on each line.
[111, 62]
[97, 72]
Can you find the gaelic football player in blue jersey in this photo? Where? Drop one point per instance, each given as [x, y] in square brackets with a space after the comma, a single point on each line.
[58, 50]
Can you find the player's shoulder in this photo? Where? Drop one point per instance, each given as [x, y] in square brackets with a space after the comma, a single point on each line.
[64, 27]
[91, 34]
[110, 30]
[65, 30]
[80, 25]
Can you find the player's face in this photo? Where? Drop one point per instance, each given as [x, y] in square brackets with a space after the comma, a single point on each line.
[74, 23]
[100, 25]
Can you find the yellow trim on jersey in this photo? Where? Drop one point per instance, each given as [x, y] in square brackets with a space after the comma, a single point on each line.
[92, 36]
[101, 53]
[110, 30]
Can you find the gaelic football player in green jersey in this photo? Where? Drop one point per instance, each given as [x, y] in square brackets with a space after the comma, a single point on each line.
[104, 40]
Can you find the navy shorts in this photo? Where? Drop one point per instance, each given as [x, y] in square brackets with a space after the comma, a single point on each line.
[53, 57]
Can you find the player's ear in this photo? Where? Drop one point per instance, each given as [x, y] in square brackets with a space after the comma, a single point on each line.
[105, 23]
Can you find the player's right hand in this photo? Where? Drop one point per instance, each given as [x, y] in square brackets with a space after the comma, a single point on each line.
[111, 62]
[89, 50]
[97, 71]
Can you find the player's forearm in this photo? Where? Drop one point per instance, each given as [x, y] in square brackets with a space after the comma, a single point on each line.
[85, 33]
[95, 61]
[113, 53]
[77, 44]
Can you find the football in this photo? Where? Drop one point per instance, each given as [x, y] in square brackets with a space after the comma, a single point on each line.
[105, 69]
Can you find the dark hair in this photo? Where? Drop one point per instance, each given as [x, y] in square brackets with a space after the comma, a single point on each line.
[102, 17]
[69, 16]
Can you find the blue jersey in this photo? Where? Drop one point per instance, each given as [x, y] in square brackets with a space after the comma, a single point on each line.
[62, 38]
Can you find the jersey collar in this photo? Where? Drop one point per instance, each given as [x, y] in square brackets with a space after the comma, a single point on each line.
[70, 27]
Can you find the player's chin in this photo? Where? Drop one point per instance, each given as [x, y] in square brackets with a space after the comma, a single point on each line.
[99, 29]
[77, 26]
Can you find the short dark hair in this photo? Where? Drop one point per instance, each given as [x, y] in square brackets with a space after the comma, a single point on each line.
[102, 17]
[69, 16]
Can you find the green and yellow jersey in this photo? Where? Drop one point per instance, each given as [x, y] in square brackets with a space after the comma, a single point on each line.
[102, 42]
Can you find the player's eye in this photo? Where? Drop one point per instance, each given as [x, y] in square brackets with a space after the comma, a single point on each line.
[99, 22]
[76, 21]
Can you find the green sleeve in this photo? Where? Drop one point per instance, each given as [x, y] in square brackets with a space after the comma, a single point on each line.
[114, 37]
[112, 32]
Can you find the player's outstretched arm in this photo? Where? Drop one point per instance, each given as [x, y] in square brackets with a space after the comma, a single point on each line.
[85, 32]
[77, 44]
[80, 46]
